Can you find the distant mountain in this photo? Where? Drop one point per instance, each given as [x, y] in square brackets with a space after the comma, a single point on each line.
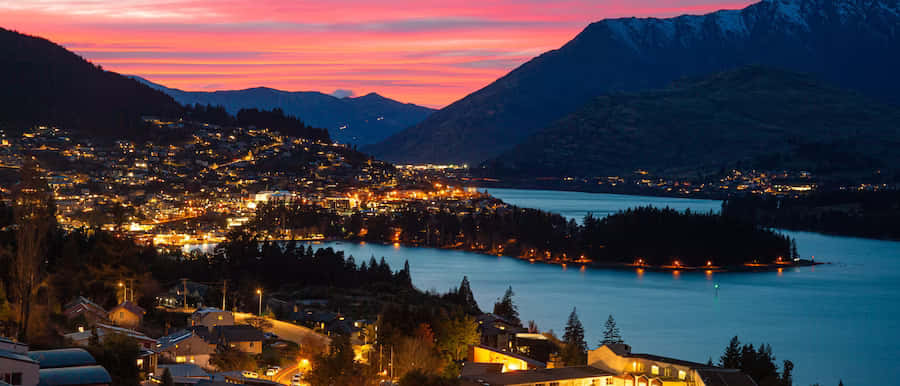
[361, 120]
[752, 117]
[43, 83]
[852, 43]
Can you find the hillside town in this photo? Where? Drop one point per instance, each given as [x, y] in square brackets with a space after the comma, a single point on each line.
[275, 351]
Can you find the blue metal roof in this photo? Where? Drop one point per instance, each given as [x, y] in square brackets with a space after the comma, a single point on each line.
[81, 375]
[66, 357]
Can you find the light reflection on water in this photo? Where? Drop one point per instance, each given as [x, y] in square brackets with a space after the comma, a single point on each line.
[834, 321]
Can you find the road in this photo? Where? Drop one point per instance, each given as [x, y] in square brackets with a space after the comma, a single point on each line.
[303, 336]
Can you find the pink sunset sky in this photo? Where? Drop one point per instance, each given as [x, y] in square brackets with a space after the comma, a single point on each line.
[429, 52]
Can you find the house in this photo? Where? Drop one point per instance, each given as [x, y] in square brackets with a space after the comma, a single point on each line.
[509, 361]
[608, 365]
[649, 370]
[70, 366]
[498, 332]
[84, 307]
[16, 367]
[242, 337]
[127, 314]
[83, 338]
[193, 346]
[535, 346]
[210, 317]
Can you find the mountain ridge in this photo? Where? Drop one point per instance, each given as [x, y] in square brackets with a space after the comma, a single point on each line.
[355, 120]
[46, 84]
[828, 38]
[754, 116]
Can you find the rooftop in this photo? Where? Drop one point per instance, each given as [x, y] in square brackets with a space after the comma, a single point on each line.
[539, 375]
[66, 357]
[239, 333]
[187, 370]
[81, 375]
[131, 307]
[725, 377]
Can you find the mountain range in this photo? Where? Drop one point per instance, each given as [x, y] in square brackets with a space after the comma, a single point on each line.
[849, 43]
[753, 117]
[356, 120]
[45, 84]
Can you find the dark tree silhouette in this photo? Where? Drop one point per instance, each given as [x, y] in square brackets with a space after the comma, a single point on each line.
[506, 308]
[611, 333]
[574, 351]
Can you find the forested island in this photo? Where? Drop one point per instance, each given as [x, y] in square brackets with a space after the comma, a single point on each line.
[644, 237]
[873, 214]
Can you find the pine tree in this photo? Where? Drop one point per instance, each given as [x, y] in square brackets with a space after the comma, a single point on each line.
[787, 378]
[404, 278]
[794, 253]
[575, 349]
[506, 309]
[841, 382]
[732, 357]
[611, 334]
[467, 298]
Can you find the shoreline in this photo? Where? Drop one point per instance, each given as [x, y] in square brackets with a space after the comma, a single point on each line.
[481, 184]
[661, 194]
[745, 268]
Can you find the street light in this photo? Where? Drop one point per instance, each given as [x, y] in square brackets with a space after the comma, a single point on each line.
[259, 292]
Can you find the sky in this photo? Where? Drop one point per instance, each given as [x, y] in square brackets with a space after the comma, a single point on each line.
[428, 52]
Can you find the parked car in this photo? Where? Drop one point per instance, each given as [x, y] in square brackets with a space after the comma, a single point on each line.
[249, 374]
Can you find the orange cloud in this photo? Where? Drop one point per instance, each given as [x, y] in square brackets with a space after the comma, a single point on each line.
[429, 52]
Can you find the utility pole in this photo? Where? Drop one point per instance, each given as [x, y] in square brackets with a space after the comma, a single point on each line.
[224, 288]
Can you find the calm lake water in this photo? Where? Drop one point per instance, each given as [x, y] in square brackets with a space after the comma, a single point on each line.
[835, 321]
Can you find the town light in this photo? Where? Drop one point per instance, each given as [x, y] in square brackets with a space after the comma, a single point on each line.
[259, 292]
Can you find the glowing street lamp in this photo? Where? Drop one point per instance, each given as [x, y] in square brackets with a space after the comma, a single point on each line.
[259, 292]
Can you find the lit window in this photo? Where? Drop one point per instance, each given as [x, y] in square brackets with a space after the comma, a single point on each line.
[220, 317]
[192, 359]
[179, 359]
[654, 370]
[682, 374]
[140, 362]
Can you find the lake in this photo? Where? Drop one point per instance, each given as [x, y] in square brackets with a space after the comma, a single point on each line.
[834, 321]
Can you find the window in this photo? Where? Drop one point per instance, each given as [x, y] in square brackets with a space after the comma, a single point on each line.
[654, 370]
[192, 359]
[121, 314]
[220, 317]
[180, 359]
[251, 344]
[11, 378]
[140, 362]
[681, 374]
